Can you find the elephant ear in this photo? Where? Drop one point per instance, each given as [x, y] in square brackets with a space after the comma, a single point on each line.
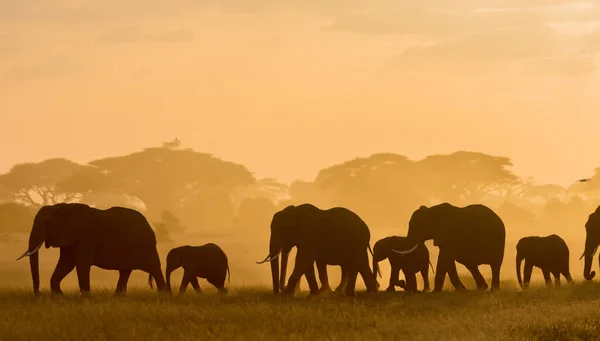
[69, 223]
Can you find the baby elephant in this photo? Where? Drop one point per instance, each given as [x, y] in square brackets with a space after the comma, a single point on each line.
[205, 261]
[410, 264]
[549, 253]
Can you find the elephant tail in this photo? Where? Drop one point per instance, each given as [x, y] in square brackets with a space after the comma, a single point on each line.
[375, 263]
[228, 275]
[431, 267]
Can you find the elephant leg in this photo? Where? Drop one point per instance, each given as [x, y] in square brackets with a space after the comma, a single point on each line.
[411, 281]
[527, 273]
[343, 281]
[440, 274]
[311, 278]
[122, 283]
[449, 265]
[496, 276]
[322, 269]
[368, 277]
[425, 275]
[195, 284]
[556, 275]
[478, 277]
[66, 264]
[547, 278]
[301, 264]
[351, 286]
[219, 283]
[363, 267]
[567, 275]
[185, 280]
[83, 277]
[394, 278]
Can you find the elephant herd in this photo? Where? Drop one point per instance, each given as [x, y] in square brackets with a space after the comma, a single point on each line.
[122, 239]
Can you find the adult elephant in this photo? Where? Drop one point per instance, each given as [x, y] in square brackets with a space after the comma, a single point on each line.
[472, 235]
[114, 239]
[335, 236]
[592, 240]
[549, 253]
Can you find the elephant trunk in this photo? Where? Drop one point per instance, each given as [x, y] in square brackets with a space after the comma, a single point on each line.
[590, 251]
[587, 273]
[284, 260]
[36, 239]
[519, 260]
[274, 252]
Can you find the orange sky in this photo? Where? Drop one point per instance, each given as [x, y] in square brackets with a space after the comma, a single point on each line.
[288, 87]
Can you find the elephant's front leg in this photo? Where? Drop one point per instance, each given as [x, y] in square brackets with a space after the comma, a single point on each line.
[66, 264]
[303, 261]
[394, 278]
[425, 275]
[185, 281]
[556, 275]
[411, 281]
[322, 269]
[440, 272]
[454, 279]
[84, 257]
[527, 269]
[312, 281]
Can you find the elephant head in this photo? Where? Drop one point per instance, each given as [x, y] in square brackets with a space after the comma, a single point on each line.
[527, 247]
[427, 223]
[57, 225]
[288, 228]
[175, 259]
[592, 240]
[381, 250]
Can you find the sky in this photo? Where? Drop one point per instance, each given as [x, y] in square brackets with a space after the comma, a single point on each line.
[287, 87]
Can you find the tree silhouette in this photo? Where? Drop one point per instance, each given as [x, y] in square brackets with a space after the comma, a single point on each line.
[163, 178]
[466, 177]
[38, 184]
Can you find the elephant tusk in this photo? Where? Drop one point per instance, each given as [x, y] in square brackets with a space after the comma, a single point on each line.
[593, 253]
[29, 253]
[407, 251]
[270, 259]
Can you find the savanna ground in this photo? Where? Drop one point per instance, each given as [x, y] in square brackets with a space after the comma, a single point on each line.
[252, 312]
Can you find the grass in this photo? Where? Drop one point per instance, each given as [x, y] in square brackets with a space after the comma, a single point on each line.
[571, 312]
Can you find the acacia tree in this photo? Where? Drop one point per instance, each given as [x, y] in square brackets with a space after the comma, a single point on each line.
[164, 178]
[466, 177]
[39, 184]
[381, 188]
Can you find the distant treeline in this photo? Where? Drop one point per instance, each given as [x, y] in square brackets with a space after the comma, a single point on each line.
[181, 190]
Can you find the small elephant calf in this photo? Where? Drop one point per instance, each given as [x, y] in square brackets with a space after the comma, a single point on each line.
[410, 264]
[205, 261]
[550, 254]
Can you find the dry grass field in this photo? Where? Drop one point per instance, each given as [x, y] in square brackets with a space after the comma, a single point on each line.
[252, 312]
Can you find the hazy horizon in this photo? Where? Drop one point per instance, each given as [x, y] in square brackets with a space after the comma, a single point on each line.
[289, 87]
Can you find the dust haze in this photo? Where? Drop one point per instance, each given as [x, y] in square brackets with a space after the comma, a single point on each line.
[210, 116]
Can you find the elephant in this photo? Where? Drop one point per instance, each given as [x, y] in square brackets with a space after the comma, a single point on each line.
[334, 236]
[410, 264]
[117, 238]
[549, 253]
[592, 240]
[322, 271]
[472, 235]
[204, 261]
